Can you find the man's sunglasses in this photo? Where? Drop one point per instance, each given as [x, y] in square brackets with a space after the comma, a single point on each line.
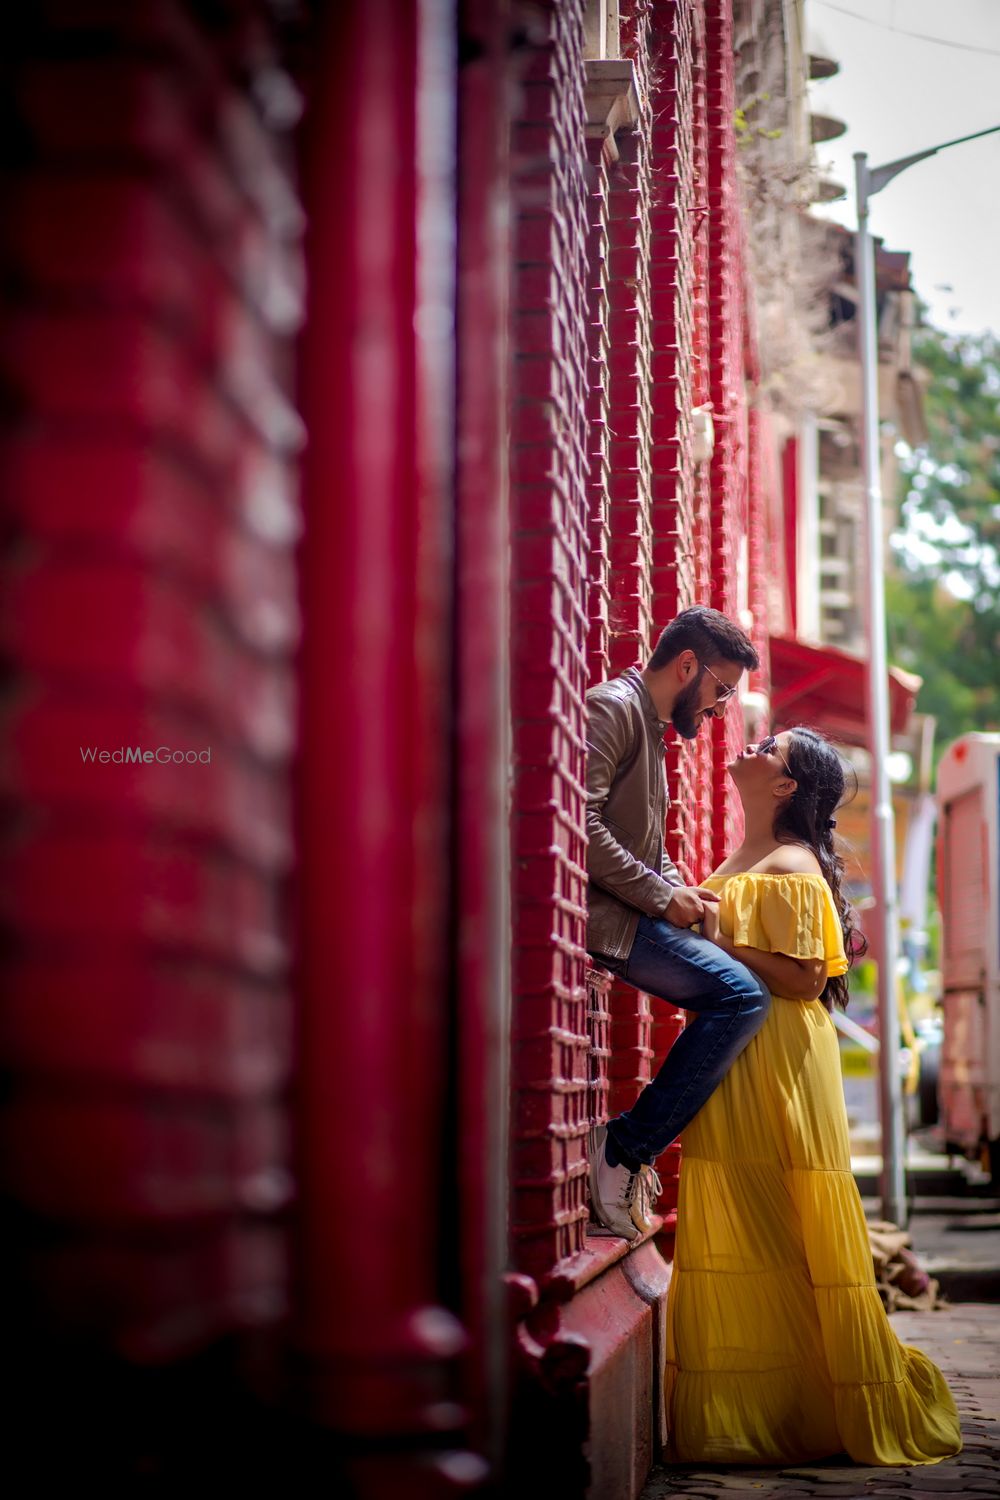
[728, 688]
[771, 743]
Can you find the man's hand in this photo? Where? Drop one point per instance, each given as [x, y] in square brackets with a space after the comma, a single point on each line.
[688, 904]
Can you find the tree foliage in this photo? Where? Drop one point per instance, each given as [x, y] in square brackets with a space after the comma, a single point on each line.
[944, 596]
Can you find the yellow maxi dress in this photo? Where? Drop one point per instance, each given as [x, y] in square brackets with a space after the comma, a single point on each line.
[778, 1347]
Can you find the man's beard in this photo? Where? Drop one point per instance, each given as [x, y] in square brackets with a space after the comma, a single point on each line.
[682, 715]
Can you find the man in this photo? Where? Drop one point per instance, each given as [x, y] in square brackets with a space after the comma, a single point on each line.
[640, 910]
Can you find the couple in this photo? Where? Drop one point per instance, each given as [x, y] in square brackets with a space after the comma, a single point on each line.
[778, 1348]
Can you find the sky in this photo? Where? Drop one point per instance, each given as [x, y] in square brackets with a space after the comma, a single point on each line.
[899, 94]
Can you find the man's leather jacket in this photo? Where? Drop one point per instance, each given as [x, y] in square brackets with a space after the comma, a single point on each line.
[627, 799]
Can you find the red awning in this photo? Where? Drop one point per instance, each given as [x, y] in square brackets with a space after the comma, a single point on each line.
[824, 688]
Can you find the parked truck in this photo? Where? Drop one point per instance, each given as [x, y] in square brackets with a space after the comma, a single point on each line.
[968, 874]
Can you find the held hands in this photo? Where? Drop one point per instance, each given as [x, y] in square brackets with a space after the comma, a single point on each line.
[692, 903]
[710, 923]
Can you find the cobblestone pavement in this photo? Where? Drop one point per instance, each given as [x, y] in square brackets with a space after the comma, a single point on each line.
[963, 1340]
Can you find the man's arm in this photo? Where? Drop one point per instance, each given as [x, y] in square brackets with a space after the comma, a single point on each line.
[669, 870]
[608, 863]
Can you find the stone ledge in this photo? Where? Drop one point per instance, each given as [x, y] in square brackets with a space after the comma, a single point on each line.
[612, 100]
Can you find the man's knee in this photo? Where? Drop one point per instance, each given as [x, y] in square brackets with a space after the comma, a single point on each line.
[754, 1014]
[750, 997]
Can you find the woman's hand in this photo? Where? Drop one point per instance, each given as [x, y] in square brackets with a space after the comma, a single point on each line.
[710, 922]
[689, 903]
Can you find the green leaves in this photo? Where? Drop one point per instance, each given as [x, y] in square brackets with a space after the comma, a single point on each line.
[944, 598]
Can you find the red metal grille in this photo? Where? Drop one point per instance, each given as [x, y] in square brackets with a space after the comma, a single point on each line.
[599, 524]
[599, 1027]
[631, 422]
[550, 469]
[631, 406]
[674, 493]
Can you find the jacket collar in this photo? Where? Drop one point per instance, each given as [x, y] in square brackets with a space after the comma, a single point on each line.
[634, 677]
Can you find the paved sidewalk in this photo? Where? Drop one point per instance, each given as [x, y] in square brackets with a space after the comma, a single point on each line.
[964, 1341]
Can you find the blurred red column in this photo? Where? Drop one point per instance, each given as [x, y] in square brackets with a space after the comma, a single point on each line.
[475, 1219]
[148, 478]
[377, 1348]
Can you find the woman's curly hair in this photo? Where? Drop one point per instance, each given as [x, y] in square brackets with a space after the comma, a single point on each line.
[807, 818]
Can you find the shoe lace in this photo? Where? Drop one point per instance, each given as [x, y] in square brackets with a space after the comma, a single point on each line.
[627, 1193]
[650, 1188]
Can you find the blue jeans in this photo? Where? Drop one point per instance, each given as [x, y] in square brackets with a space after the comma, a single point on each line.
[729, 1006]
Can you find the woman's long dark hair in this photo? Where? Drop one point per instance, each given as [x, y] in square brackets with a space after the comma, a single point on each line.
[807, 818]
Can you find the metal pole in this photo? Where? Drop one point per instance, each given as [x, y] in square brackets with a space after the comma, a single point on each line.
[882, 823]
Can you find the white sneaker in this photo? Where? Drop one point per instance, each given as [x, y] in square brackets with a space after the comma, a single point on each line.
[614, 1191]
[647, 1197]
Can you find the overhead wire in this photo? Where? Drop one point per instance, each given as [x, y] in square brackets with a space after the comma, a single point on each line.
[920, 36]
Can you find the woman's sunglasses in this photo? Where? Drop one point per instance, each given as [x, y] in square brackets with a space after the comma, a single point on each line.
[771, 743]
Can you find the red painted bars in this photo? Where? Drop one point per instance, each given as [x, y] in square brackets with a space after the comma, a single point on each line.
[672, 224]
[548, 639]
[598, 434]
[699, 756]
[599, 560]
[725, 333]
[630, 421]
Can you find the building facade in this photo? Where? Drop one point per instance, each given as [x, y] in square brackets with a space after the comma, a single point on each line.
[379, 377]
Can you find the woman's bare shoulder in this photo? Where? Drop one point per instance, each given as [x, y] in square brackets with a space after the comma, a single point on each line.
[790, 859]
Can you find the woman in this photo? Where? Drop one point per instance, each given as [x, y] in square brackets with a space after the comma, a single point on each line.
[778, 1347]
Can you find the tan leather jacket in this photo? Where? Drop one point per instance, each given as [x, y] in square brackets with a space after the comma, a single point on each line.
[627, 799]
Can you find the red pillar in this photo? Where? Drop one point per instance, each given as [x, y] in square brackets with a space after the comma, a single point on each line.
[726, 349]
[148, 477]
[764, 554]
[785, 531]
[376, 1346]
[699, 757]
[477, 1217]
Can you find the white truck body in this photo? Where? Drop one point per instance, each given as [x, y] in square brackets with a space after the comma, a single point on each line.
[968, 877]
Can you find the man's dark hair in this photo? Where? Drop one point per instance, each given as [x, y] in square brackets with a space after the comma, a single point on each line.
[709, 635]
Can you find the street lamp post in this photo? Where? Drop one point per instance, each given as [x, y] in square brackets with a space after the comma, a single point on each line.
[869, 181]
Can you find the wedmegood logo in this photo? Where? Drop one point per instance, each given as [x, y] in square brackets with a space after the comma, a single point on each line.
[134, 755]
